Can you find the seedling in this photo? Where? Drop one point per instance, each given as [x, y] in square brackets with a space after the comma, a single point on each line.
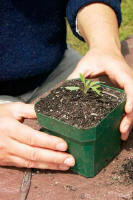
[88, 84]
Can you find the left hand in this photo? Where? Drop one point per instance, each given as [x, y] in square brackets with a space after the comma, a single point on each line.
[22, 146]
[111, 63]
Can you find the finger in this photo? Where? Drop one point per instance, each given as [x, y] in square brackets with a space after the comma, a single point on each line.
[129, 92]
[27, 135]
[20, 109]
[20, 162]
[88, 72]
[40, 155]
[126, 126]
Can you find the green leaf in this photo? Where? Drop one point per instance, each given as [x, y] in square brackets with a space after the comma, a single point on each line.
[72, 88]
[96, 86]
[86, 88]
[87, 82]
[93, 83]
[96, 90]
[82, 78]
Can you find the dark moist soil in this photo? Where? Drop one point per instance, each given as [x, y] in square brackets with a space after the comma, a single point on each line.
[79, 109]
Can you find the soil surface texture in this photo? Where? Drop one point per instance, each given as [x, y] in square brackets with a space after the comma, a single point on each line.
[79, 109]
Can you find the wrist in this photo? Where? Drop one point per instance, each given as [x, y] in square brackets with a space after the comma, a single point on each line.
[104, 40]
[106, 50]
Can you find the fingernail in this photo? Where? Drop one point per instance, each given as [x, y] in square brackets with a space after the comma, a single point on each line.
[61, 147]
[125, 137]
[63, 167]
[69, 161]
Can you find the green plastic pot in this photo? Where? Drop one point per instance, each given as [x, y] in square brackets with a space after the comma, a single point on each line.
[93, 148]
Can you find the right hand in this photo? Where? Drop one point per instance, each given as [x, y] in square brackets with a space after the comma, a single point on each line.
[110, 62]
[22, 146]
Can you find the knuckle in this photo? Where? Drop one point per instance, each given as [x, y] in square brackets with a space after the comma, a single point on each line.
[55, 161]
[34, 155]
[3, 122]
[30, 140]
[29, 164]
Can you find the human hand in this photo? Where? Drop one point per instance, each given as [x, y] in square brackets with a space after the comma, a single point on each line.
[111, 63]
[22, 146]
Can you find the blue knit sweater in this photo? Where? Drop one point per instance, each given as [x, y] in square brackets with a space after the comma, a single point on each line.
[33, 34]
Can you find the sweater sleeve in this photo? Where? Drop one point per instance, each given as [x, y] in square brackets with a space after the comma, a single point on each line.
[73, 7]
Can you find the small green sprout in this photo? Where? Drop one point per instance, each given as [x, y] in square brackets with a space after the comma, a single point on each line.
[88, 84]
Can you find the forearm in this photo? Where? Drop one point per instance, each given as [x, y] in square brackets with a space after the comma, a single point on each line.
[98, 25]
